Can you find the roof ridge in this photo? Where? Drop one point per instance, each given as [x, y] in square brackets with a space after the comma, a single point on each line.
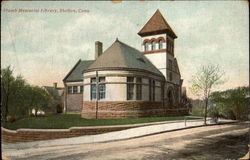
[130, 46]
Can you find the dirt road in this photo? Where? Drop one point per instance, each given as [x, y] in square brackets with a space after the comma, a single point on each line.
[210, 142]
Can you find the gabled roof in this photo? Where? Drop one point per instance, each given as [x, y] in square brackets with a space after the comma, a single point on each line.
[58, 90]
[75, 74]
[121, 56]
[156, 25]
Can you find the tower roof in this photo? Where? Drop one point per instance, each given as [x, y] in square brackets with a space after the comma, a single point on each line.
[121, 56]
[156, 25]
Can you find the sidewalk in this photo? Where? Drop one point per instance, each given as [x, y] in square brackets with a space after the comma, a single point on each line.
[117, 135]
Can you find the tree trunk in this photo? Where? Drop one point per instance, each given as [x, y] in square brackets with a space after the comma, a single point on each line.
[36, 110]
[205, 114]
[6, 109]
[237, 113]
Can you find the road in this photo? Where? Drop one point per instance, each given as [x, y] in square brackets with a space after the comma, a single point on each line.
[211, 142]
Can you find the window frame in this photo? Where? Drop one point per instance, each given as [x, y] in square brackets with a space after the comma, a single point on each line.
[153, 91]
[101, 88]
[170, 76]
[170, 64]
[138, 88]
[93, 88]
[75, 89]
[70, 89]
[130, 88]
[146, 46]
[81, 89]
[134, 88]
[160, 44]
[153, 46]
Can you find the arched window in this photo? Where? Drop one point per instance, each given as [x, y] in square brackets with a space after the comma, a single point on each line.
[153, 45]
[170, 97]
[160, 44]
[146, 46]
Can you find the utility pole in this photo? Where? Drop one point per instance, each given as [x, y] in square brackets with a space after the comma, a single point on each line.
[97, 94]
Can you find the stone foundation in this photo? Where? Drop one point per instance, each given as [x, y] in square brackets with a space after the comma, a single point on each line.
[129, 109]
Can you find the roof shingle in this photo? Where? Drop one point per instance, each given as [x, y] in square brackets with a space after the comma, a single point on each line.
[157, 24]
[122, 56]
[75, 73]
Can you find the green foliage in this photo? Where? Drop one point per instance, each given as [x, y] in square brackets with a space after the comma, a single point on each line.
[232, 103]
[64, 121]
[204, 81]
[197, 110]
[19, 98]
[197, 107]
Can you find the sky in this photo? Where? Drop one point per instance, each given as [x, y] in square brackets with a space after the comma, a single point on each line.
[44, 46]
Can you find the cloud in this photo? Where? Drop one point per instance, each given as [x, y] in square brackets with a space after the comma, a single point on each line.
[44, 54]
[44, 48]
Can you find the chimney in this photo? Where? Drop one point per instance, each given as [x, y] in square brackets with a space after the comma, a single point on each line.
[98, 49]
[55, 85]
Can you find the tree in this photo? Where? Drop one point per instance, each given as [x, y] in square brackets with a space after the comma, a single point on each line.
[204, 81]
[55, 100]
[19, 98]
[7, 80]
[232, 103]
[40, 99]
[239, 102]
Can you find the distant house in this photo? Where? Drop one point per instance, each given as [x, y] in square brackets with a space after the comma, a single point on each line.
[58, 94]
[124, 82]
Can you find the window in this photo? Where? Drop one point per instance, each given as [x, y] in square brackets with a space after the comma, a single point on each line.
[74, 89]
[153, 91]
[170, 76]
[162, 91]
[130, 79]
[134, 90]
[160, 44]
[102, 88]
[81, 89]
[130, 88]
[168, 45]
[150, 89]
[70, 89]
[170, 64]
[173, 47]
[139, 88]
[153, 45]
[146, 46]
[93, 89]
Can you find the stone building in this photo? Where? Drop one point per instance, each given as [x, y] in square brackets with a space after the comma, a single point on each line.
[73, 84]
[124, 82]
[158, 46]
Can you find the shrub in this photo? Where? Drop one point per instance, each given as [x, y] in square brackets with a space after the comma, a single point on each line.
[11, 119]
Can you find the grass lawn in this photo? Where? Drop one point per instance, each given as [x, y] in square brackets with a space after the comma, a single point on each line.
[64, 121]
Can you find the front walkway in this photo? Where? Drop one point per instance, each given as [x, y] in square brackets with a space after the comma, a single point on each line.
[117, 135]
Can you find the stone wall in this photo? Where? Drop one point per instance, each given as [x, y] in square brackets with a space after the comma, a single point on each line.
[129, 109]
[27, 135]
[74, 102]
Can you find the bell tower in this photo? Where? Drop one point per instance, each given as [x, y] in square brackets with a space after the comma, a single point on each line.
[158, 45]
